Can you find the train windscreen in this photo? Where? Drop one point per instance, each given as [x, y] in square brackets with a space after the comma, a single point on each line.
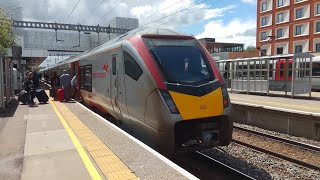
[180, 60]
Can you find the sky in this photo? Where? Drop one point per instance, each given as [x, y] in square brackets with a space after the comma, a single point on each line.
[226, 20]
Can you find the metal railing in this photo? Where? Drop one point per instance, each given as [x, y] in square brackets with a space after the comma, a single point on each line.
[287, 73]
[6, 82]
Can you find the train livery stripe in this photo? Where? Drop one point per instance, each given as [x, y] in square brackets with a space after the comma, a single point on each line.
[195, 107]
[138, 43]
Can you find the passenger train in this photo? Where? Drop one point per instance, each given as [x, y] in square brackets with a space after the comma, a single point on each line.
[161, 86]
[277, 69]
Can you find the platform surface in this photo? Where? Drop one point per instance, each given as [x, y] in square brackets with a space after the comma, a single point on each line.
[279, 102]
[68, 141]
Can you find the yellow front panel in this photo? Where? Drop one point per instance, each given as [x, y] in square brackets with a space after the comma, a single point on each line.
[194, 107]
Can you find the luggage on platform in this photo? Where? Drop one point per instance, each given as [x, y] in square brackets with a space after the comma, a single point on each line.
[60, 94]
[23, 97]
[42, 96]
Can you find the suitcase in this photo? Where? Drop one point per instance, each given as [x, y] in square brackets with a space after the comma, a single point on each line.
[23, 97]
[60, 94]
[42, 96]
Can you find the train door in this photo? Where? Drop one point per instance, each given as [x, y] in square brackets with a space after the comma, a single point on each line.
[280, 70]
[75, 71]
[283, 67]
[122, 103]
[114, 86]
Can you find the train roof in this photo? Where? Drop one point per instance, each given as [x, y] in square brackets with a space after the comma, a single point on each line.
[139, 31]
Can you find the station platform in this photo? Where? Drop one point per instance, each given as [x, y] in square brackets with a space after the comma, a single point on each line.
[278, 102]
[298, 116]
[60, 140]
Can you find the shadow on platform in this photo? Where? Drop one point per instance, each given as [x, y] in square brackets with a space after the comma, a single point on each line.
[11, 109]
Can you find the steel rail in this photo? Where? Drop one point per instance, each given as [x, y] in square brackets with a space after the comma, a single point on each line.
[288, 141]
[241, 174]
[296, 161]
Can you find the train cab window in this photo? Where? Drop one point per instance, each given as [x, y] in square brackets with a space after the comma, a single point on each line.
[180, 61]
[132, 69]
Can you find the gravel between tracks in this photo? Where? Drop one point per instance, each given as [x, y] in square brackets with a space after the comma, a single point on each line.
[263, 165]
[294, 152]
[300, 139]
[260, 165]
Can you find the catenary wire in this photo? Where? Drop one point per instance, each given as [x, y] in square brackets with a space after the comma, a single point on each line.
[161, 10]
[109, 11]
[71, 12]
[174, 13]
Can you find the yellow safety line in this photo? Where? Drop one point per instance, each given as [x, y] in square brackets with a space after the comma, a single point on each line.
[110, 165]
[86, 160]
[280, 105]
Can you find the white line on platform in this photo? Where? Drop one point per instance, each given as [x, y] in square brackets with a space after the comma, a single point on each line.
[277, 108]
[155, 153]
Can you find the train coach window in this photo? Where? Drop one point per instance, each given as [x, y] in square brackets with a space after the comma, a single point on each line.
[82, 78]
[88, 78]
[132, 68]
[114, 66]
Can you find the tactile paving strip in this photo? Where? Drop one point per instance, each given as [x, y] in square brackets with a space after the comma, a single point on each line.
[110, 165]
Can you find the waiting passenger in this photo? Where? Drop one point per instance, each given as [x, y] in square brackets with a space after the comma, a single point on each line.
[55, 83]
[35, 79]
[65, 81]
[29, 87]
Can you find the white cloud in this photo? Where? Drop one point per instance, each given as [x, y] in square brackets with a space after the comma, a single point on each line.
[236, 31]
[249, 1]
[142, 10]
[212, 13]
[89, 12]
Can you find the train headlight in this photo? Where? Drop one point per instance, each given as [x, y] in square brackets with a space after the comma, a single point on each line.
[225, 96]
[169, 101]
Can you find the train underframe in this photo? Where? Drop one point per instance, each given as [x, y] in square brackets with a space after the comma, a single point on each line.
[198, 134]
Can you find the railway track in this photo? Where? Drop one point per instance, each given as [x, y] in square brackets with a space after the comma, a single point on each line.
[206, 167]
[303, 154]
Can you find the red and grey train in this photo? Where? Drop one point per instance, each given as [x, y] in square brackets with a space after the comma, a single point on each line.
[161, 86]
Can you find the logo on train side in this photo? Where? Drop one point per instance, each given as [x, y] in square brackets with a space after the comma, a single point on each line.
[99, 75]
[106, 67]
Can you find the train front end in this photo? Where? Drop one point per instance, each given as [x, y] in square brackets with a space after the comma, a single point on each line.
[194, 94]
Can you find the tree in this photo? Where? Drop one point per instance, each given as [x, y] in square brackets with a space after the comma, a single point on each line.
[250, 49]
[6, 33]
